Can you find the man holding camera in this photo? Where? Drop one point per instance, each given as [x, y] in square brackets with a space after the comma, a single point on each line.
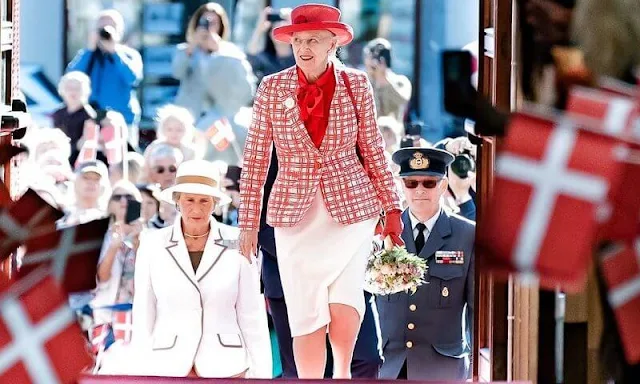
[392, 91]
[462, 176]
[114, 69]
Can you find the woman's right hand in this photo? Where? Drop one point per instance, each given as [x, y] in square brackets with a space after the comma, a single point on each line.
[263, 24]
[249, 243]
[117, 235]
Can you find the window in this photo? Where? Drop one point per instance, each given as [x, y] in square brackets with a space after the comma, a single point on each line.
[392, 20]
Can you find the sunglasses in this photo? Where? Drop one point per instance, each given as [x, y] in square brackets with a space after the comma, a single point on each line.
[171, 169]
[428, 184]
[118, 197]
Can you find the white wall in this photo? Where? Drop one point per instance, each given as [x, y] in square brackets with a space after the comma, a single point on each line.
[41, 35]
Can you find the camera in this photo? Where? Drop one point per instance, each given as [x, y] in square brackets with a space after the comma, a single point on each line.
[203, 22]
[414, 128]
[106, 32]
[275, 16]
[463, 164]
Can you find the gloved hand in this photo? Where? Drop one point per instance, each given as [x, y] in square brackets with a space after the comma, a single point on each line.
[393, 227]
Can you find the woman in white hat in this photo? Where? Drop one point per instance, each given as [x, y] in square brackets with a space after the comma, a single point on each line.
[197, 309]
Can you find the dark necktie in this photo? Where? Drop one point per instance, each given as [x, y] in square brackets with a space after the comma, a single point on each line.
[420, 238]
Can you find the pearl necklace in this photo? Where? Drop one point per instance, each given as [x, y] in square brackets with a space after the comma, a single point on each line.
[196, 236]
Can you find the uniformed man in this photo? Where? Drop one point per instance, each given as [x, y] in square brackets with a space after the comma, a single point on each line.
[426, 336]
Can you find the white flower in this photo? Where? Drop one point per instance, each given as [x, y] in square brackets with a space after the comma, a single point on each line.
[289, 103]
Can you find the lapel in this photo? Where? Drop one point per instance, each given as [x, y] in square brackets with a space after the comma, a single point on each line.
[339, 94]
[407, 232]
[441, 230]
[213, 250]
[177, 249]
[289, 88]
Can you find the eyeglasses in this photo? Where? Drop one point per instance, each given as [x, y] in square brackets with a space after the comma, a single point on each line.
[118, 197]
[428, 184]
[160, 169]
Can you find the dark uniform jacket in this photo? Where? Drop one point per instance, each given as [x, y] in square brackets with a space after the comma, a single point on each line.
[426, 328]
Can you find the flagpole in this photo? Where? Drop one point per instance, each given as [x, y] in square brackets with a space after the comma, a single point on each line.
[125, 162]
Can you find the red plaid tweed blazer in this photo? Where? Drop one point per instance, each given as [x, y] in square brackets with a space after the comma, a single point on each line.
[352, 193]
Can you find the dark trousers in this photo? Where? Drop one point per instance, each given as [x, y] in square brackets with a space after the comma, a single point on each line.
[366, 357]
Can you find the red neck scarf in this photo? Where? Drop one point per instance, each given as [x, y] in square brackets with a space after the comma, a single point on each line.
[314, 101]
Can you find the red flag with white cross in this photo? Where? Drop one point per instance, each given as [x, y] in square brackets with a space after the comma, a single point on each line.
[89, 149]
[115, 143]
[40, 340]
[72, 253]
[24, 218]
[220, 134]
[615, 114]
[620, 267]
[550, 194]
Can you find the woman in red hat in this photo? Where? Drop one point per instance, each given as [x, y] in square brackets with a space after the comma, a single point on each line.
[325, 202]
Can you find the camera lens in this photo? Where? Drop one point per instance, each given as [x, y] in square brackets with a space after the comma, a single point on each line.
[461, 166]
[105, 33]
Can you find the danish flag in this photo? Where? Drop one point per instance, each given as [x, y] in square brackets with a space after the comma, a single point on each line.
[220, 134]
[72, 253]
[7, 152]
[122, 325]
[621, 272]
[551, 181]
[617, 115]
[27, 216]
[40, 340]
[101, 337]
[115, 143]
[89, 149]
[623, 222]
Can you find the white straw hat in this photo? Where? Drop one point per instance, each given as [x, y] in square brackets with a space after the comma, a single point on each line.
[197, 177]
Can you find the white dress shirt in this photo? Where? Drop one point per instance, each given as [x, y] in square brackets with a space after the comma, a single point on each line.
[430, 223]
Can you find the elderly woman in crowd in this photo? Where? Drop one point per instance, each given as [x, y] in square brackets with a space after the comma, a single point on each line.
[90, 193]
[161, 164]
[325, 202]
[75, 89]
[175, 128]
[210, 321]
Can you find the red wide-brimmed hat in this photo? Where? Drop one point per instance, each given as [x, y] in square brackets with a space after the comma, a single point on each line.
[314, 17]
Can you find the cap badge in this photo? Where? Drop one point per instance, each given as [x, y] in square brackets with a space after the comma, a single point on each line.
[419, 161]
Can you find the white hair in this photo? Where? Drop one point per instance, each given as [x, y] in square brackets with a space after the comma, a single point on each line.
[48, 135]
[117, 18]
[81, 78]
[162, 150]
[182, 115]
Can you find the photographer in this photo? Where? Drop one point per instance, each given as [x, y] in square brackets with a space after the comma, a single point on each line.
[213, 72]
[114, 69]
[267, 55]
[462, 176]
[391, 91]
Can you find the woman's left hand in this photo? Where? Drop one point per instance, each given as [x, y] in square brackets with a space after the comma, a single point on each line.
[393, 227]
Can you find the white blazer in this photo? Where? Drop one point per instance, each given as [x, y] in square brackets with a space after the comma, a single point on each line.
[214, 319]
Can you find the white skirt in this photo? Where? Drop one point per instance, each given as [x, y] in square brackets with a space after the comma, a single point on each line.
[322, 261]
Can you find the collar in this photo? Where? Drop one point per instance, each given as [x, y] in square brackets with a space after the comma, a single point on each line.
[430, 223]
[322, 80]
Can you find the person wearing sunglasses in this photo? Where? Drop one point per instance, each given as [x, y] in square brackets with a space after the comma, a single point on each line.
[162, 163]
[423, 337]
[116, 264]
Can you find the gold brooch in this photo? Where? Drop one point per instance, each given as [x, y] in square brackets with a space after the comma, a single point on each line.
[419, 161]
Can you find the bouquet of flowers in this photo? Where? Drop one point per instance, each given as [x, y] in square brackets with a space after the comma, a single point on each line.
[391, 269]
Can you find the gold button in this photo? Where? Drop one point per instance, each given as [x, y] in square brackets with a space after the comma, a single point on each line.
[411, 326]
[409, 344]
[445, 292]
[412, 307]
